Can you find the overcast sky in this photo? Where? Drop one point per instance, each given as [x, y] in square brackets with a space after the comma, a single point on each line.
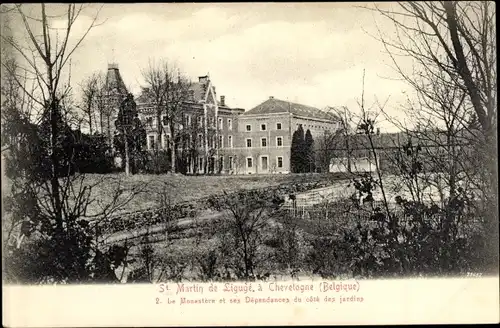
[303, 52]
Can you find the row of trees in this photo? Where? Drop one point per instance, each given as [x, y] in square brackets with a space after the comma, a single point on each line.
[302, 154]
[454, 120]
[46, 233]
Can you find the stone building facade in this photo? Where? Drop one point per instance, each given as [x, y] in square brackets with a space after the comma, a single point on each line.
[225, 140]
[265, 138]
[213, 137]
[204, 129]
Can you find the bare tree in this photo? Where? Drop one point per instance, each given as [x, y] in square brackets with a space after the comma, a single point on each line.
[326, 145]
[91, 90]
[192, 143]
[457, 38]
[168, 91]
[453, 47]
[247, 214]
[441, 128]
[337, 143]
[48, 200]
[43, 52]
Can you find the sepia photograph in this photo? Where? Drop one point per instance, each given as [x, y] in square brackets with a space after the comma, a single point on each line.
[270, 149]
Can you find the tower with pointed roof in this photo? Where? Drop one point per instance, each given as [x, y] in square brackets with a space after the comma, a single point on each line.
[114, 92]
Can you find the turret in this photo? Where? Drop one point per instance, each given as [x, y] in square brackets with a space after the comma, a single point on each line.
[114, 93]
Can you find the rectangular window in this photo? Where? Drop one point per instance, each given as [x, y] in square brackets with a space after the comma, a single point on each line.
[278, 126]
[264, 165]
[249, 162]
[249, 143]
[149, 121]
[230, 141]
[280, 162]
[230, 164]
[263, 127]
[200, 140]
[279, 141]
[229, 124]
[221, 163]
[188, 120]
[249, 128]
[221, 125]
[200, 163]
[164, 120]
[210, 121]
[200, 121]
[263, 142]
[221, 142]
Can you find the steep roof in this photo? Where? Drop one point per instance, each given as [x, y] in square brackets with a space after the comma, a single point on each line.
[197, 93]
[114, 81]
[273, 106]
[198, 89]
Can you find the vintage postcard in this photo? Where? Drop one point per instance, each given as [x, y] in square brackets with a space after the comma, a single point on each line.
[181, 164]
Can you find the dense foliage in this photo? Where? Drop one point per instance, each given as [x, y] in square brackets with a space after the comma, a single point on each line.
[302, 159]
[38, 249]
[129, 126]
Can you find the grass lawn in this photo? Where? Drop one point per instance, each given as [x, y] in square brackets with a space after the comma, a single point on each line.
[179, 188]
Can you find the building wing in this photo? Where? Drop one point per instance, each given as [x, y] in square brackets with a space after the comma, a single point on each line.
[274, 106]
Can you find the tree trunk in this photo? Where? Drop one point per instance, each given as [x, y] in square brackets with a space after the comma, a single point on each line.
[54, 115]
[90, 119]
[160, 132]
[461, 66]
[247, 262]
[127, 161]
[100, 120]
[110, 138]
[172, 148]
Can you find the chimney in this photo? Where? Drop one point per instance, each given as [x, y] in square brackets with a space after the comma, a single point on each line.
[203, 79]
[112, 66]
[223, 100]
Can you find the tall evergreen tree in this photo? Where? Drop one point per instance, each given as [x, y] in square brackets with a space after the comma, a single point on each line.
[297, 152]
[129, 128]
[309, 152]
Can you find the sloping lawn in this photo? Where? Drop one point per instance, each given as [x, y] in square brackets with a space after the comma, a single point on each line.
[173, 189]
